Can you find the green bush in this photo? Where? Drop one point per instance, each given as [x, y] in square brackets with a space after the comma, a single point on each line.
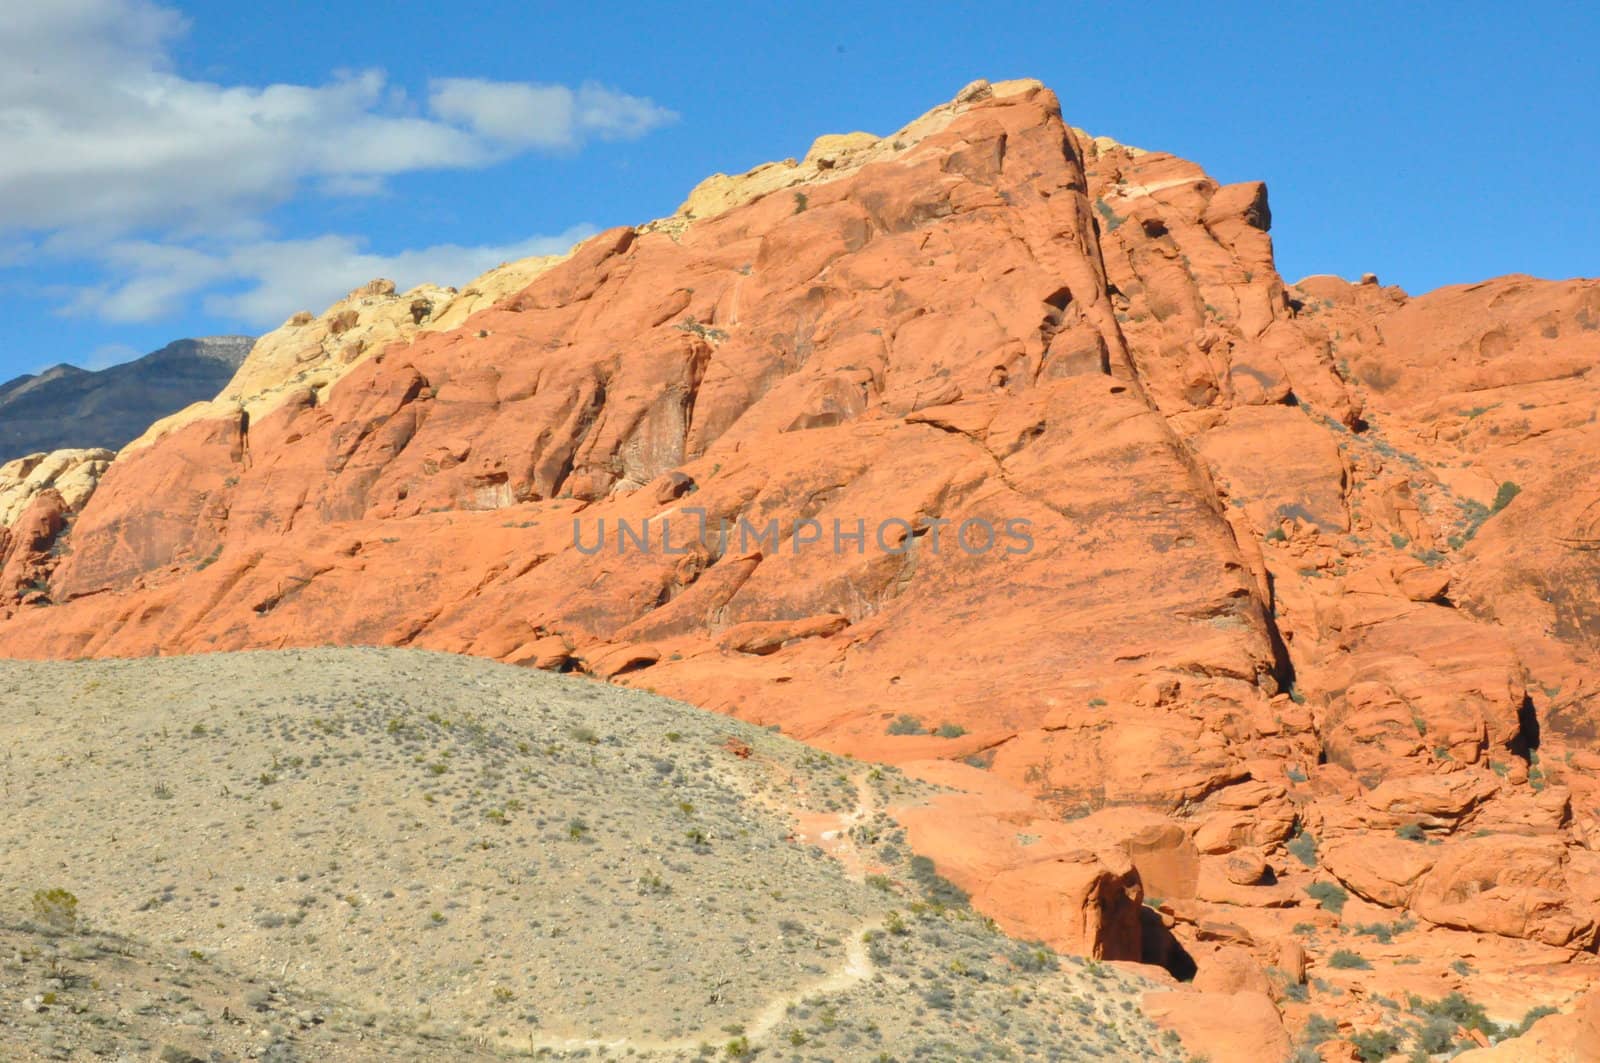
[1435, 1036]
[1319, 1028]
[1503, 497]
[1381, 931]
[1112, 220]
[1033, 958]
[1303, 847]
[56, 908]
[1457, 1010]
[907, 724]
[1345, 960]
[1375, 1045]
[1329, 895]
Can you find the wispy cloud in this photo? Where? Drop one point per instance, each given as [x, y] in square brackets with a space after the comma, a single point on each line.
[110, 156]
[260, 283]
[522, 115]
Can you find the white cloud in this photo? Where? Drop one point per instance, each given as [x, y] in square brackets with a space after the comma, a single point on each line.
[545, 116]
[99, 133]
[282, 276]
[108, 155]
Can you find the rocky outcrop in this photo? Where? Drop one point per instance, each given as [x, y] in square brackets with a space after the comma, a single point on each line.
[1264, 588]
[1573, 1037]
[308, 354]
[39, 496]
[67, 407]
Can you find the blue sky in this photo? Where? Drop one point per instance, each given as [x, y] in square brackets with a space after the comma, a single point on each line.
[173, 169]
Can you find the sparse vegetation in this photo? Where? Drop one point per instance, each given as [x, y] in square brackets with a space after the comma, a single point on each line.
[56, 908]
[1374, 1046]
[1303, 847]
[1112, 220]
[1328, 895]
[545, 790]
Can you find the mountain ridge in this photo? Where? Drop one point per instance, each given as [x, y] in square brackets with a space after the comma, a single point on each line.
[66, 407]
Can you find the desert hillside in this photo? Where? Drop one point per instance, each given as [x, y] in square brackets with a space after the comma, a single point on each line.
[370, 854]
[1294, 691]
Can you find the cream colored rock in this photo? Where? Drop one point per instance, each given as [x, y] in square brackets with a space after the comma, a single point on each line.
[831, 156]
[312, 354]
[489, 289]
[74, 474]
[1097, 145]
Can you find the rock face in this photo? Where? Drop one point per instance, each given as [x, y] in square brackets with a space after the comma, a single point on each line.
[1278, 579]
[66, 407]
[39, 496]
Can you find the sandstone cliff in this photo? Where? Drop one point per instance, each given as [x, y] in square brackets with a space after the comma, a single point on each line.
[39, 496]
[1302, 664]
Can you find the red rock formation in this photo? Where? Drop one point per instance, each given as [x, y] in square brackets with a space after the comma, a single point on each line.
[1314, 575]
[39, 495]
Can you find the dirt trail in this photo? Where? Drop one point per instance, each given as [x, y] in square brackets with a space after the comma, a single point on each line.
[856, 967]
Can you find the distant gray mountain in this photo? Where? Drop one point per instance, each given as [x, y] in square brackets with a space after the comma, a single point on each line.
[65, 406]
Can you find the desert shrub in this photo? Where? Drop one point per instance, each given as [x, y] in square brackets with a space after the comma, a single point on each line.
[1457, 1010]
[1112, 219]
[1303, 847]
[950, 730]
[1319, 1028]
[1035, 958]
[1436, 1035]
[1503, 497]
[1345, 960]
[56, 908]
[1375, 1045]
[1533, 1016]
[1382, 931]
[907, 724]
[1329, 895]
[1412, 832]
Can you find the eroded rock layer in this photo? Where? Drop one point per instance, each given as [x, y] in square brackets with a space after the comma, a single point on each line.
[1313, 595]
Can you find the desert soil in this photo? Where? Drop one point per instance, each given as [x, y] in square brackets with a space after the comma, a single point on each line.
[388, 854]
